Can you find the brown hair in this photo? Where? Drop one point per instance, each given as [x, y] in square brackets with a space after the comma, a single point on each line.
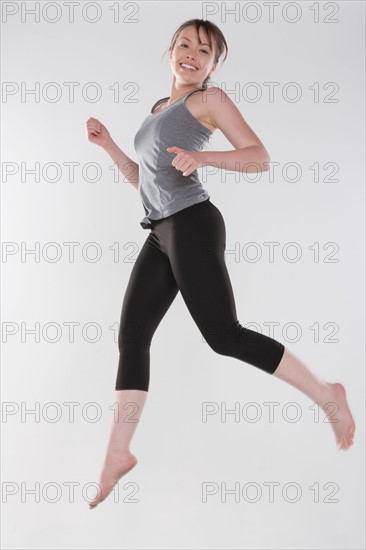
[212, 31]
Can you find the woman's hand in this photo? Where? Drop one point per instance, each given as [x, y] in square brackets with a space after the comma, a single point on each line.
[97, 133]
[186, 161]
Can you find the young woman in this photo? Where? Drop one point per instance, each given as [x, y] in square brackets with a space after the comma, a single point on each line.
[184, 250]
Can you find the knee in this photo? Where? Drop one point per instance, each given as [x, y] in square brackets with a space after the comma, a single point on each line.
[218, 347]
[220, 336]
[230, 338]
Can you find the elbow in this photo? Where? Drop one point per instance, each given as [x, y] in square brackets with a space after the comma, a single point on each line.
[265, 159]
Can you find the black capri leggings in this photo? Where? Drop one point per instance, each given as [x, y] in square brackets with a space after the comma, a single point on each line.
[185, 252]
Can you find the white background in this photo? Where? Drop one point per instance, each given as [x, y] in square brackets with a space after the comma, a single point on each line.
[178, 452]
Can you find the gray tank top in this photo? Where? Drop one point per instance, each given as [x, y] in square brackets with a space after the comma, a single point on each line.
[163, 189]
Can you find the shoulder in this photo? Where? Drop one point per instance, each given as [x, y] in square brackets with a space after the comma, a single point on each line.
[216, 102]
[214, 106]
[214, 96]
[225, 115]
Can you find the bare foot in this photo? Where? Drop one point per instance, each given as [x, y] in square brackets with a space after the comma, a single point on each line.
[115, 466]
[341, 420]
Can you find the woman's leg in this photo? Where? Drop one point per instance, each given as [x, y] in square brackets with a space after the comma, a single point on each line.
[119, 460]
[195, 241]
[196, 251]
[150, 291]
[330, 396]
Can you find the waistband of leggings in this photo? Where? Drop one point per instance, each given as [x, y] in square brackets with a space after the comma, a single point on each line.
[182, 212]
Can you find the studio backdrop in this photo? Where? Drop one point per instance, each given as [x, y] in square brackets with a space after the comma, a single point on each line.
[229, 457]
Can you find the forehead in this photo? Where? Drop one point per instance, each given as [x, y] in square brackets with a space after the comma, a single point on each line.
[191, 33]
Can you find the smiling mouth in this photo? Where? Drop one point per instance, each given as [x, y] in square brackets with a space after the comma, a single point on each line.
[188, 66]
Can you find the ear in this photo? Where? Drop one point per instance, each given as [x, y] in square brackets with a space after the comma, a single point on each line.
[213, 69]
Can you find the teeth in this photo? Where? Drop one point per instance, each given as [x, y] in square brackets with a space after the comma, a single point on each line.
[188, 66]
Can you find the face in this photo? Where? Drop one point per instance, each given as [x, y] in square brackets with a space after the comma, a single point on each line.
[188, 50]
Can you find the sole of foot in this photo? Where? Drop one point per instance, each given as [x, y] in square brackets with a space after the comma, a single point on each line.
[112, 472]
[344, 427]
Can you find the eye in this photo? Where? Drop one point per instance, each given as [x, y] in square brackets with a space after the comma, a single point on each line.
[202, 50]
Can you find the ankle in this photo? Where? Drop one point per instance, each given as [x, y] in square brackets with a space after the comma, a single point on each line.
[329, 393]
[325, 392]
[121, 453]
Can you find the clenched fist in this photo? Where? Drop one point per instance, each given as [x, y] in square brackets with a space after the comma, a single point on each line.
[97, 132]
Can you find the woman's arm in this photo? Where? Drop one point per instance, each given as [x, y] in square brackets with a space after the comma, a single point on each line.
[127, 166]
[252, 158]
[98, 134]
[249, 154]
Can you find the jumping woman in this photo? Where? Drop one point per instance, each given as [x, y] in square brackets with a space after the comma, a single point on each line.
[184, 250]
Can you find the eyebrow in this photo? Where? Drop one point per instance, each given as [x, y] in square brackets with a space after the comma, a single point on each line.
[191, 41]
